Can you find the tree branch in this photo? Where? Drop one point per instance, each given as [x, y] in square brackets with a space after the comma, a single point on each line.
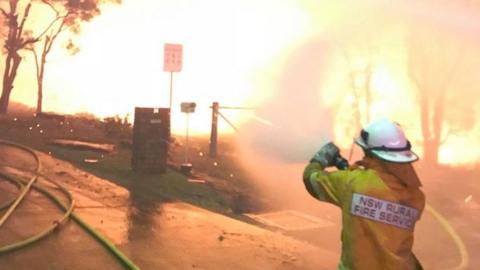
[29, 41]
[35, 55]
[13, 7]
[57, 17]
[454, 68]
[49, 26]
[4, 12]
[413, 76]
[444, 140]
[52, 7]
[22, 24]
[54, 36]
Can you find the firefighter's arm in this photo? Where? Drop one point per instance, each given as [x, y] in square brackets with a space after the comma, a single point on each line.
[322, 185]
[325, 186]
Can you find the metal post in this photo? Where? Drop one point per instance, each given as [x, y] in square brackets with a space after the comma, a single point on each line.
[186, 140]
[187, 107]
[214, 131]
[171, 89]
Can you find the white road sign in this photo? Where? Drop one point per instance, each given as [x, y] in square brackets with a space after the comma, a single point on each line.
[172, 58]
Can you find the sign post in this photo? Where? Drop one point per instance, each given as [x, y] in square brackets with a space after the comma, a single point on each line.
[172, 62]
[187, 108]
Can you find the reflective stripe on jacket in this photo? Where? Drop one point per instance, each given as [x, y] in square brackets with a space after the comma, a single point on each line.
[379, 209]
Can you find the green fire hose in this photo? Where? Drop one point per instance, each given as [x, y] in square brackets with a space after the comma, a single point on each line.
[24, 186]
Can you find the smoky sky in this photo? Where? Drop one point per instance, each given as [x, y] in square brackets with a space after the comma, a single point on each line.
[300, 124]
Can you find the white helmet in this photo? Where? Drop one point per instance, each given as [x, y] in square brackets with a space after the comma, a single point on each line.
[386, 141]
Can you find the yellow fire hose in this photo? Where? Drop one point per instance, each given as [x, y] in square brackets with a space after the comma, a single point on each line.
[464, 258]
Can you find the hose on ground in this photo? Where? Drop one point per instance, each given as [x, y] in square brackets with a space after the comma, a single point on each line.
[22, 184]
[27, 187]
[10, 201]
[51, 228]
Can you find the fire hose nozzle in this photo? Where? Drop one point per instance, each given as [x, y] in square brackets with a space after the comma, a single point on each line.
[341, 163]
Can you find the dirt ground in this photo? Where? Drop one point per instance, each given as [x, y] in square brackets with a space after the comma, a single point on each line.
[171, 235]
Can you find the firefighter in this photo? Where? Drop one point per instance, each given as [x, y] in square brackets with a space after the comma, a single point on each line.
[380, 198]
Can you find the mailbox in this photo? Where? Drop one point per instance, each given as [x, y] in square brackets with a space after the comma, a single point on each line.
[188, 107]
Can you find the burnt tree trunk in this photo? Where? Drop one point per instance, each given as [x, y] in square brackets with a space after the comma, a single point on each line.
[432, 116]
[14, 43]
[40, 65]
[40, 97]
[11, 66]
[7, 86]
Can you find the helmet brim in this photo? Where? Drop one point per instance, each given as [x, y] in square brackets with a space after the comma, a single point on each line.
[390, 156]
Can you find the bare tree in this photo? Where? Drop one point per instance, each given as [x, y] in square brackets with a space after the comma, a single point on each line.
[16, 39]
[360, 87]
[67, 15]
[437, 59]
[357, 40]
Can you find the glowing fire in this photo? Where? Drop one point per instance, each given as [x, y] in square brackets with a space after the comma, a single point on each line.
[120, 63]
[234, 53]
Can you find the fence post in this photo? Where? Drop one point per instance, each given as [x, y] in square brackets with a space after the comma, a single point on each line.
[214, 131]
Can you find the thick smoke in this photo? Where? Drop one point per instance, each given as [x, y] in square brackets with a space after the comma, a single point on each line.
[276, 154]
[299, 124]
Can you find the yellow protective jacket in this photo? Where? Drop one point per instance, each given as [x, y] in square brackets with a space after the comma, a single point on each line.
[380, 202]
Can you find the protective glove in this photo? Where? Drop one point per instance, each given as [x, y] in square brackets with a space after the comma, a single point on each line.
[327, 156]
